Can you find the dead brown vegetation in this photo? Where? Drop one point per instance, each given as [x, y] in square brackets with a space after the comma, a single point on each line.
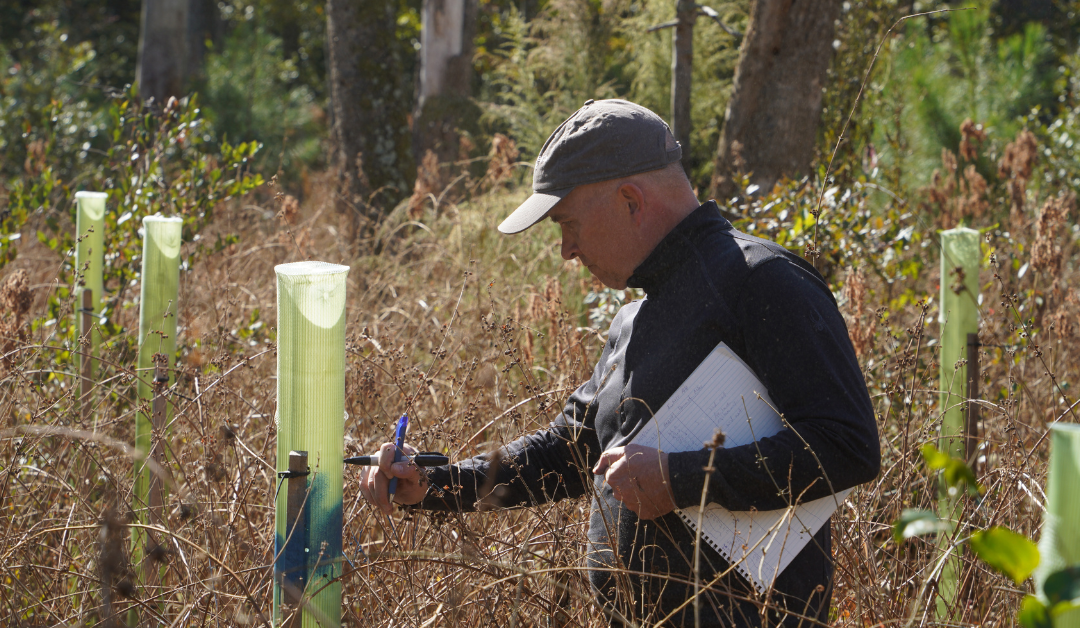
[507, 314]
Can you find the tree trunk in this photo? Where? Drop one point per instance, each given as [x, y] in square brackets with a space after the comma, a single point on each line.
[162, 49]
[444, 107]
[447, 30]
[204, 22]
[285, 15]
[682, 65]
[772, 118]
[369, 99]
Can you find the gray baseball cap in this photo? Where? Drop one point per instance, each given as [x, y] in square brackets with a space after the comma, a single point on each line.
[604, 140]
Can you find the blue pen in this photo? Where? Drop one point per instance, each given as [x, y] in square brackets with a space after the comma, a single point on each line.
[399, 442]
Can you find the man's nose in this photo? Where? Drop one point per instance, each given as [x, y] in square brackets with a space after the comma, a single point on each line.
[569, 248]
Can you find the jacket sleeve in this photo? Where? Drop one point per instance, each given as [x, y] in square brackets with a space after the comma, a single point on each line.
[797, 343]
[548, 465]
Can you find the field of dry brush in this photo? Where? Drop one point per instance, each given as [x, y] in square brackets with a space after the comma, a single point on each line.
[510, 317]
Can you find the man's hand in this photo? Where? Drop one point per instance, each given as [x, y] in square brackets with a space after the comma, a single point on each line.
[412, 484]
[638, 477]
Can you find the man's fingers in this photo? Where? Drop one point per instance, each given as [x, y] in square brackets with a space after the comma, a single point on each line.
[368, 479]
[375, 482]
[386, 458]
[637, 477]
[380, 490]
[612, 466]
[375, 479]
[607, 458]
[363, 485]
[406, 470]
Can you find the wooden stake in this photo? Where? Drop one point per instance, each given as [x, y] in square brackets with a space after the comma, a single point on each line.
[682, 65]
[971, 426]
[292, 564]
[155, 496]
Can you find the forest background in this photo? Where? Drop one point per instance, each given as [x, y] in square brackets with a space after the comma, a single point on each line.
[964, 117]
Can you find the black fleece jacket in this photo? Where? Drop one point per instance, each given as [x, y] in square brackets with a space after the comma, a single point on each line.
[704, 283]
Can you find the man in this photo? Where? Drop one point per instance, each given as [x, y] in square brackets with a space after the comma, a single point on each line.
[610, 176]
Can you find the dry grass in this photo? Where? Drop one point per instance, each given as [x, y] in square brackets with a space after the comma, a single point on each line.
[518, 345]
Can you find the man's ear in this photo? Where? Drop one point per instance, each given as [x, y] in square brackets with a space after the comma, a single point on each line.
[632, 197]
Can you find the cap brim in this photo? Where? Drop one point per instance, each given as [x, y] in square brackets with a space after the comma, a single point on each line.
[533, 210]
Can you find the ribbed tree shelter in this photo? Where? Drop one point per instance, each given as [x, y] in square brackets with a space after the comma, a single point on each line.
[310, 419]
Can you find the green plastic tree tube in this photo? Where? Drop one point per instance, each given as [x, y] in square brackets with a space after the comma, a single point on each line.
[959, 316]
[1059, 545]
[89, 256]
[310, 417]
[159, 282]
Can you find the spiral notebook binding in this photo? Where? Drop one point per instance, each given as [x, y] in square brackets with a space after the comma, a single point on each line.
[739, 565]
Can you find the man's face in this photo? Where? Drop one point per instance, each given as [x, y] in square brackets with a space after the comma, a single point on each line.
[599, 228]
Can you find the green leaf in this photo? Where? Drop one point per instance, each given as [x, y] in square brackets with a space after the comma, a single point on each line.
[1059, 609]
[954, 471]
[1062, 586]
[915, 522]
[1010, 553]
[934, 458]
[1033, 613]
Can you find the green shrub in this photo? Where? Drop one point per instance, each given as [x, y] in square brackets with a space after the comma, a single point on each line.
[49, 116]
[51, 125]
[960, 71]
[251, 92]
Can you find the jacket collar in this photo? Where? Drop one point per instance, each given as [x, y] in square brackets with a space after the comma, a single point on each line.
[675, 248]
